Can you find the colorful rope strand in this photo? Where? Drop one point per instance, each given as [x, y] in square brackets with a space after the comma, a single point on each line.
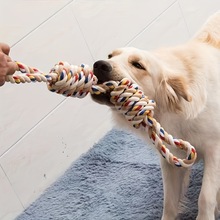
[78, 81]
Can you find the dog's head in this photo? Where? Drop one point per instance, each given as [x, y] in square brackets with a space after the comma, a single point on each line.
[144, 69]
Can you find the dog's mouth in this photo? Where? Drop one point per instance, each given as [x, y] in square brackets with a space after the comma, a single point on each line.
[103, 99]
[105, 72]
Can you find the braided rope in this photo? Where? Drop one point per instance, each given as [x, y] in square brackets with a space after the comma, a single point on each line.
[78, 81]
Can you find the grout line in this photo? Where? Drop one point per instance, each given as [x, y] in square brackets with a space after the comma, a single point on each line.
[32, 128]
[12, 186]
[148, 25]
[26, 35]
[181, 10]
[87, 45]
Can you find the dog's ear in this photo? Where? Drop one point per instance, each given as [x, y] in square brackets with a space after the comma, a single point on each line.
[179, 86]
[172, 90]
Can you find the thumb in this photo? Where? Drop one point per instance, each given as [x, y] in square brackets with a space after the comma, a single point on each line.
[12, 67]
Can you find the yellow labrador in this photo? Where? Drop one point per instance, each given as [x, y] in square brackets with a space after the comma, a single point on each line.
[185, 83]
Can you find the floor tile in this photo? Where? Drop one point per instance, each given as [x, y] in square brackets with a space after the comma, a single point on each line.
[169, 29]
[18, 18]
[23, 106]
[39, 158]
[107, 25]
[42, 133]
[10, 205]
[196, 14]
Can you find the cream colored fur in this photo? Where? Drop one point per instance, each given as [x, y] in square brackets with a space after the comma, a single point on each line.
[185, 83]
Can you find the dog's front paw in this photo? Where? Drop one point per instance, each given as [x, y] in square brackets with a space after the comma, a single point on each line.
[170, 217]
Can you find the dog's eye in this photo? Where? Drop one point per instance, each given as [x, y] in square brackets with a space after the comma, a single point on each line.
[109, 56]
[138, 65]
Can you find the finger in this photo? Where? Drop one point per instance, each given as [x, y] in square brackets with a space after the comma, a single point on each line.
[12, 67]
[4, 48]
[8, 59]
[2, 80]
[3, 59]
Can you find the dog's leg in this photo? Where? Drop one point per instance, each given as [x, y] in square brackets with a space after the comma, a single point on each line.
[217, 209]
[173, 183]
[210, 185]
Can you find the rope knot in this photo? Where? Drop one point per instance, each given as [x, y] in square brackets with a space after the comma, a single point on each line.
[131, 102]
[71, 80]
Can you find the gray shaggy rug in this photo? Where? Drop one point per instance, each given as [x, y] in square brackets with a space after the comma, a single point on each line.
[118, 179]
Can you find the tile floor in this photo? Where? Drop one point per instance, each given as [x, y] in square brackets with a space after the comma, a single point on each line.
[42, 133]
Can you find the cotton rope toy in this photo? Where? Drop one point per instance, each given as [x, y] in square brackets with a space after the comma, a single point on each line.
[78, 81]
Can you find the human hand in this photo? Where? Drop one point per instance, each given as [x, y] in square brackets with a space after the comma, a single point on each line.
[7, 66]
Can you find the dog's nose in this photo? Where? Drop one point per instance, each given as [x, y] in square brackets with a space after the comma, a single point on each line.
[102, 70]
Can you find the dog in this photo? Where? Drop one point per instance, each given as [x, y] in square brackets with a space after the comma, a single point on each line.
[184, 81]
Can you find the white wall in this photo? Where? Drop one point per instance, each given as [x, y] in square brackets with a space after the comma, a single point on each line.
[42, 133]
